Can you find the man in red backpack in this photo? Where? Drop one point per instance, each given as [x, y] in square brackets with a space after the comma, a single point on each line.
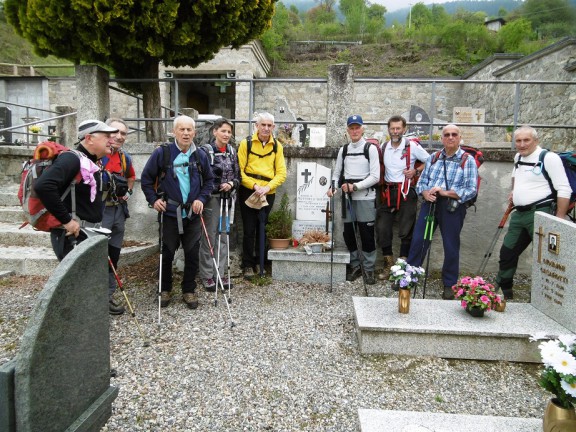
[399, 199]
[446, 184]
[531, 192]
[79, 166]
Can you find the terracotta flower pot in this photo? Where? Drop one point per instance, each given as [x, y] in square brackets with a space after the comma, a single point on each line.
[558, 419]
[279, 243]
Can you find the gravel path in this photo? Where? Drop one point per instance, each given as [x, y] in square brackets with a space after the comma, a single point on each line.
[291, 363]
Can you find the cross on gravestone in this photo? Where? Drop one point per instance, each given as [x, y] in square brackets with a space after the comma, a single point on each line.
[306, 174]
[223, 85]
[540, 234]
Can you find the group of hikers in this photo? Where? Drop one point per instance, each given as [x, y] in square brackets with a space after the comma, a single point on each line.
[192, 186]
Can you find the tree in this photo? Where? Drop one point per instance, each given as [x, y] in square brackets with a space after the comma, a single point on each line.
[420, 15]
[512, 35]
[355, 13]
[132, 37]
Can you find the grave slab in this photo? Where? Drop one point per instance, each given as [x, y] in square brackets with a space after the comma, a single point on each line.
[372, 420]
[294, 265]
[443, 329]
[553, 272]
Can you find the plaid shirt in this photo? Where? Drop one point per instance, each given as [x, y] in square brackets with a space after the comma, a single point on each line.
[462, 181]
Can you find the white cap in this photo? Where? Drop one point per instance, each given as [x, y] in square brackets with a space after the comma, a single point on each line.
[92, 126]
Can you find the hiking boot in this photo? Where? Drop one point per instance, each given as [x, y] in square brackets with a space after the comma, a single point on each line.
[209, 284]
[388, 262]
[190, 299]
[114, 308]
[370, 280]
[508, 294]
[225, 282]
[248, 273]
[165, 297]
[448, 294]
[354, 274]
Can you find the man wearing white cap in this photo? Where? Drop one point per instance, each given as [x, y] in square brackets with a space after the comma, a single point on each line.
[78, 167]
[357, 175]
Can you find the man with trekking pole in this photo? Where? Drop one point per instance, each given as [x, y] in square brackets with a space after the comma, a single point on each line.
[177, 181]
[357, 175]
[539, 183]
[399, 200]
[119, 182]
[446, 184]
[262, 169]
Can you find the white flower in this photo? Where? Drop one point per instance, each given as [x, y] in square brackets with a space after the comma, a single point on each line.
[549, 351]
[399, 272]
[567, 340]
[564, 363]
[395, 268]
[569, 388]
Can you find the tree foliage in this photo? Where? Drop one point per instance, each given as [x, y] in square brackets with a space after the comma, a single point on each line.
[132, 37]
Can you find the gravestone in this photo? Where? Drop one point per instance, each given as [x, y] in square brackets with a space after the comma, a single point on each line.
[312, 184]
[553, 271]
[5, 121]
[61, 374]
[418, 115]
[471, 135]
[317, 137]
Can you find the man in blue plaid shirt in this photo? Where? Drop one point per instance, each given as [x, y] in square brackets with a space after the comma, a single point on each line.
[446, 184]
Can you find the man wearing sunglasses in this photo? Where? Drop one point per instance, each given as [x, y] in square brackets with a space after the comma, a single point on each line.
[446, 184]
[531, 192]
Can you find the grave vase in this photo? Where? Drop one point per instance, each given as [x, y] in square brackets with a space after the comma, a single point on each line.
[475, 311]
[403, 300]
[558, 419]
[34, 138]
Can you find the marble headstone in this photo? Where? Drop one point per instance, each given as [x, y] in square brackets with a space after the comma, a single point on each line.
[553, 270]
[471, 135]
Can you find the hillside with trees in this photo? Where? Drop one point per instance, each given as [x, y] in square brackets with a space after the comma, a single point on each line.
[431, 42]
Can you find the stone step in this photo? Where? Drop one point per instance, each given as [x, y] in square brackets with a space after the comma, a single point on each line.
[41, 260]
[372, 420]
[442, 328]
[9, 198]
[11, 214]
[12, 235]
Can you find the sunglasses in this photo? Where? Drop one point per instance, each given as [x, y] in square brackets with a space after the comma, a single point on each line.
[450, 134]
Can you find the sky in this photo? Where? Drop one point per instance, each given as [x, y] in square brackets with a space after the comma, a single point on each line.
[392, 5]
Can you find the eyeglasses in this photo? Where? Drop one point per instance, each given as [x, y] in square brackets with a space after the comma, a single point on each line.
[450, 134]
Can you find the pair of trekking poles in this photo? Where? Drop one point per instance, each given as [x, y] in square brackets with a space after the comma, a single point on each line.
[225, 219]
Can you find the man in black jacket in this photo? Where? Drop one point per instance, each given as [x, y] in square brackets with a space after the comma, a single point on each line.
[78, 166]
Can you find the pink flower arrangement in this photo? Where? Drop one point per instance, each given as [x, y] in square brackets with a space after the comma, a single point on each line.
[476, 292]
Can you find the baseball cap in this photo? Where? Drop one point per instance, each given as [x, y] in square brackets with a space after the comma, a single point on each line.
[354, 119]
[92, 126]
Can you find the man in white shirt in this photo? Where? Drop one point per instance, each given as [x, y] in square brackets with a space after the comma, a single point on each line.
[399, 200]
[531, 191]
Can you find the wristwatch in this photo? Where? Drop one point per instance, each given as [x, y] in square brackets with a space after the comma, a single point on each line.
[354, 187]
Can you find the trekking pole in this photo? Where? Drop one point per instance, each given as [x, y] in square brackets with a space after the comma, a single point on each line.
[221, 227]
[488, 253]
[332, 237]
[358, 241]
[146, 343]
[227, 219]
[428, 233]
[262, 239]
[218, 278]
[160, 267]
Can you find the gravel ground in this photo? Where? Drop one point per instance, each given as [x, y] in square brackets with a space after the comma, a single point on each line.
[291, 362]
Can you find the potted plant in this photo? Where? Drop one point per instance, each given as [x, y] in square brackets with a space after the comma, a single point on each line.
[476, 295]
[404, 277]
[316, 240]
[279, 226]
[559, 378]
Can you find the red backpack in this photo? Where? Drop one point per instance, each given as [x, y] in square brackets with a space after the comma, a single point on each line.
[35, 213]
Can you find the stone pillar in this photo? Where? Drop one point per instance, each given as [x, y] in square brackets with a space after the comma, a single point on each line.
[190, 112]
[92, 93]
[66, 127]
[340, 92]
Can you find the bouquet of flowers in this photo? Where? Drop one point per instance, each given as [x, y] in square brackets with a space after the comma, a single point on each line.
[559, 374]
[403, 275]
[35, 128]
[476, 292]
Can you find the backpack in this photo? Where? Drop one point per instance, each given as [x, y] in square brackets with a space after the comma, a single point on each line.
[366, 153]
[35, 213]
[478, 159]
[117, 185]
[406, 156]
[249, 148]
[229, 149]
[166, 164]
[569, 162]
